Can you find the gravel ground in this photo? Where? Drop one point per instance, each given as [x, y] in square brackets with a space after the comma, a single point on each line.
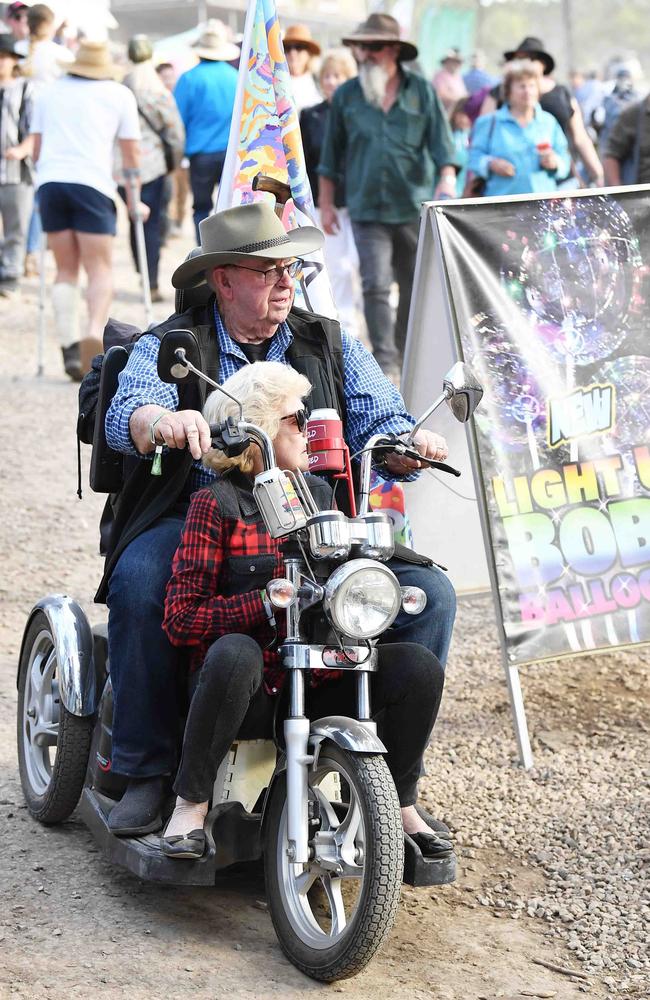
[553, 862]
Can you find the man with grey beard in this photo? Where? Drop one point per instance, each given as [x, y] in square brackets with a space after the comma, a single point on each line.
[389, 139]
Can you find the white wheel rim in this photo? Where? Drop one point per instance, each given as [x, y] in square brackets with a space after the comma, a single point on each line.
[342, 841]
[41, 713]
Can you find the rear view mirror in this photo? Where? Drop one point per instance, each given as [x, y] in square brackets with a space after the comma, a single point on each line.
[178, 347]
[463, 391]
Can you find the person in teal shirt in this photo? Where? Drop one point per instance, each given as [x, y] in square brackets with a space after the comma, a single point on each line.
[519, 149]
[388, 141]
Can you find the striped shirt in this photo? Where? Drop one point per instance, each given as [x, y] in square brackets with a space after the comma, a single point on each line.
[15, 117]
[374, 406]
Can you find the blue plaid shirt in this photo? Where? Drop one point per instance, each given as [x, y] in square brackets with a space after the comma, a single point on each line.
[374, 406]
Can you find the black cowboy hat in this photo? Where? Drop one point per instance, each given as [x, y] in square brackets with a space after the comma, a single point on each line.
[532, 48]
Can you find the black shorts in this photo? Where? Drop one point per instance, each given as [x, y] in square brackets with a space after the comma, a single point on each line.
[75, 206]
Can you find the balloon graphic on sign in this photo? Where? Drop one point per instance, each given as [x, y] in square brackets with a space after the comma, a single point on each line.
[630, 377]
[579, 272]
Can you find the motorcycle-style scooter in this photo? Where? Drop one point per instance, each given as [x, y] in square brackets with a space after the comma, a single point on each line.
[318, 802]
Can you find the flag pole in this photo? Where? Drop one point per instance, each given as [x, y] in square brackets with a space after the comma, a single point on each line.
[224, 192]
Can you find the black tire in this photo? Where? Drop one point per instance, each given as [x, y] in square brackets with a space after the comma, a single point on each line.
[51, 787]
[369, 780]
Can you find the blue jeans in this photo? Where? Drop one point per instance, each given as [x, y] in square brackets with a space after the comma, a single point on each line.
[386, 254]
[205, 174]
[144, 665]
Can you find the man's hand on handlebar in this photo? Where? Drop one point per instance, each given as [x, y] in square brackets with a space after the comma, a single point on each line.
[176, 430]
[428, 444]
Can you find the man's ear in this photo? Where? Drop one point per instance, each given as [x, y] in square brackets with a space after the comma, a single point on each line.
[222, 284]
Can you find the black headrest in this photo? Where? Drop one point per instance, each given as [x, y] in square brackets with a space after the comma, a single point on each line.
[188, 298]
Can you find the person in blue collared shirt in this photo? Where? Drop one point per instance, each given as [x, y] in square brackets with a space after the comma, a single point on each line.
[205, 96]
[519, 149]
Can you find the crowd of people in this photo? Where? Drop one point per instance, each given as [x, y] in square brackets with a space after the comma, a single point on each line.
[379, 139]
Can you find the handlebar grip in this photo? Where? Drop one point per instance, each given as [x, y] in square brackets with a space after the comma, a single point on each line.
[441, 466]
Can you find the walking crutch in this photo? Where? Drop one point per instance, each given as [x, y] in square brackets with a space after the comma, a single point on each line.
[140, 246]
[42, 251]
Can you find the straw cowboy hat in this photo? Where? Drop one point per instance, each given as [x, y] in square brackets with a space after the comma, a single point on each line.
[382, 28]
[300, 36]
[213, 43]
[93, 61]
[532, 48]
[242, 233]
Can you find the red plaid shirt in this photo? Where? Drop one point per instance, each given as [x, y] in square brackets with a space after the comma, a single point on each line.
[220, 554]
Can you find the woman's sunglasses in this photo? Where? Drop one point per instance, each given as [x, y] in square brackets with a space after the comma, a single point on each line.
[301, 417]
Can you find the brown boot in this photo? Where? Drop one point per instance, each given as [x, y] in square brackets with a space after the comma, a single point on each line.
[88, 348]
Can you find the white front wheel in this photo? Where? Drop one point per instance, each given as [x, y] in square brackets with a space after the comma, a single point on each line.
[332, 913]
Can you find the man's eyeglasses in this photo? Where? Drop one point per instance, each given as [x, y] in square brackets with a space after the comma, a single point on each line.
[300, 417]
[371, 46]
[295, 47]
[273, 274]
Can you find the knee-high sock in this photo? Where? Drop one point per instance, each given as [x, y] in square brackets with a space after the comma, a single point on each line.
[65, 304]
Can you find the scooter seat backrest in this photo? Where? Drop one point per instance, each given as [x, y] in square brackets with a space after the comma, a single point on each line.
[189, 298]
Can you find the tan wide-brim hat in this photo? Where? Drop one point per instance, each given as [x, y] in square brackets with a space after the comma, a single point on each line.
[214, 44]
[382, 28]
[300, 35]
[238, 234]
[93, 61]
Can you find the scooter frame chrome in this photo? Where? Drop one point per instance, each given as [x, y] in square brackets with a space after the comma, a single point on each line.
[73, 644]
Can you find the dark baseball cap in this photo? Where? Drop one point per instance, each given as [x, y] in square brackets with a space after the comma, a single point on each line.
[8, 45]
[16, 8]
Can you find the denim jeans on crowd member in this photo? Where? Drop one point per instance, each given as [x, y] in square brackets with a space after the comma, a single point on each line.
[152, 196]
[15, 206]
[229, 699]
[144, 665]
[386, 254]
[205, 174]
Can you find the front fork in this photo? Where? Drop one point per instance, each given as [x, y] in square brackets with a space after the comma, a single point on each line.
[296, 736]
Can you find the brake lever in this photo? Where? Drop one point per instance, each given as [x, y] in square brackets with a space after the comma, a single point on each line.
[228, 438]
[403, 450]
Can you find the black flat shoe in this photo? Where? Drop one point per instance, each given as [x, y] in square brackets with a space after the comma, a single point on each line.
[189, 845]
[436, 824]
[432, 846]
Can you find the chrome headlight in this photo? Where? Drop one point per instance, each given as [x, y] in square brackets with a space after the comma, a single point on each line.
[362, 598]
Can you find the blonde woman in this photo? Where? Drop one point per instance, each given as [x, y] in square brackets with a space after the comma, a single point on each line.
[217, 610]
[340, 249]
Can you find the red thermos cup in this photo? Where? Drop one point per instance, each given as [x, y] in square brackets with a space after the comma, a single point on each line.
[325, 443]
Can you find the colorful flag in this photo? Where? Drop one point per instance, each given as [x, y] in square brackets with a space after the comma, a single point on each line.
[265, 138]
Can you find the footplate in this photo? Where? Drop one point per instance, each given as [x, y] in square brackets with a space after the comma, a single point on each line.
[419, 870]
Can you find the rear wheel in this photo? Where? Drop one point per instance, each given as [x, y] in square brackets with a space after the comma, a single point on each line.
[53, 744]
[333, 913]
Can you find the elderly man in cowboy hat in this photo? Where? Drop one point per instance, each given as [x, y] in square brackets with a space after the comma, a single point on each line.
[388, 138]
[242, 278]
[205, 96]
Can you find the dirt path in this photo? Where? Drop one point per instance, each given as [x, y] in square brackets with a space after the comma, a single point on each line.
[72, 926]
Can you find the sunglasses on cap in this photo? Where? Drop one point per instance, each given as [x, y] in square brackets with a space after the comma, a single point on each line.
[301, 417]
